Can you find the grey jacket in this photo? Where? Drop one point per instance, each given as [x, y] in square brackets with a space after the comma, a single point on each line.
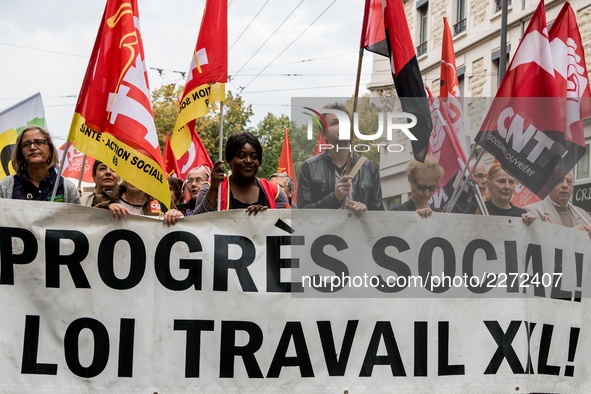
[71, 194]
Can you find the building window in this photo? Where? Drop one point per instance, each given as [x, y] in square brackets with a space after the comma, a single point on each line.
[460, 25]
[423, 26]
[582, 167]
[461, 71]
[496, 74]
[499, 5]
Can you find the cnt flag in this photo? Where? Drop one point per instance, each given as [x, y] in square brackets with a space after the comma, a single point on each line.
[170, 163]
[207, 74]
[13, 120]
[403, 62]
[525, 128]
[195, 156]
[286, 163]
[113, 120]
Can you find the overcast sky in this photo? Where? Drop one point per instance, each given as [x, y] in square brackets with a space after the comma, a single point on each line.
[45, 46]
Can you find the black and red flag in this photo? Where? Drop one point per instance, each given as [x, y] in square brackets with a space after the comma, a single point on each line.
[373, 33]
[403, 62]
[525, 128]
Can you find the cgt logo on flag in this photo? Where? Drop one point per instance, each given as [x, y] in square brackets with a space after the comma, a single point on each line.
[391, 120]
[200, 59]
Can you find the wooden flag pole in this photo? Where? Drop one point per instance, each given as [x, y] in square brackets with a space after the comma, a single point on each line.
[355, 100]
[81, 172]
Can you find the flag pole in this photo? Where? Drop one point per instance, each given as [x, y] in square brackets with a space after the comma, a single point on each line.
[456, 194]
[60, 170]
[220, 149]
[81, 172]
[453, 198]
[355, 101]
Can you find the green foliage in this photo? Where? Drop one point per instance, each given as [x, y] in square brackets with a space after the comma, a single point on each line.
[270, 132]
[165, 105]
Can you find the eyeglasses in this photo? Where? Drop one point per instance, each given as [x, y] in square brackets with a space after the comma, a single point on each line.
[479, 176]
[423, 188]
[199, 181]
[38, 143]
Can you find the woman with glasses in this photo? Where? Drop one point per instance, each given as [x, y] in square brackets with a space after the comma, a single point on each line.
[34, 159]
[424, 179]
[195, 179]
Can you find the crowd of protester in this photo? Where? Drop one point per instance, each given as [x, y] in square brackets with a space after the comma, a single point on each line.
[323, 183]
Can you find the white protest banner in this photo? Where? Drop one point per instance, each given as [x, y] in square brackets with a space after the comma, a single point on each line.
[214, 303]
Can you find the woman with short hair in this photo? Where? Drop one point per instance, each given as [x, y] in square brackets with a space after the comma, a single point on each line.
[500, 186]
[424, 179]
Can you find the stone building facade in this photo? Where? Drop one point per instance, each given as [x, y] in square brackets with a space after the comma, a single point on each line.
[475, 26]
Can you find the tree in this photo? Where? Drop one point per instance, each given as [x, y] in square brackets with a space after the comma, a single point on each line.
[270, 132]
[165, 104]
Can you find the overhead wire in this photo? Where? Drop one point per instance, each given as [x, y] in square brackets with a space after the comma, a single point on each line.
[268, 38]
[248, 25]
[290, 44]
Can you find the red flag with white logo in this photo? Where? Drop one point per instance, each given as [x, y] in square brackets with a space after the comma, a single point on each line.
[570, 71]
[74, 162]
[113, 120]
[195, 156]
[445, 148]
[207, 74]
[525, 128]
[449, 93]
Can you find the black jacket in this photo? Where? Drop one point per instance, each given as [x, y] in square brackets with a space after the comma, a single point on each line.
[316, 184]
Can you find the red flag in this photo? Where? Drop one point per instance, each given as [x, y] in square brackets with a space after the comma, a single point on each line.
[207, 75]
[195, 156]
[113, 120]
[449, 93]
[524, 128]
[571, 72]
[522, 196]
[373, 33]
[73, 164]
[170, 164]
[407, 75]
[286, 164]
[445, 148]
[320, 141]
